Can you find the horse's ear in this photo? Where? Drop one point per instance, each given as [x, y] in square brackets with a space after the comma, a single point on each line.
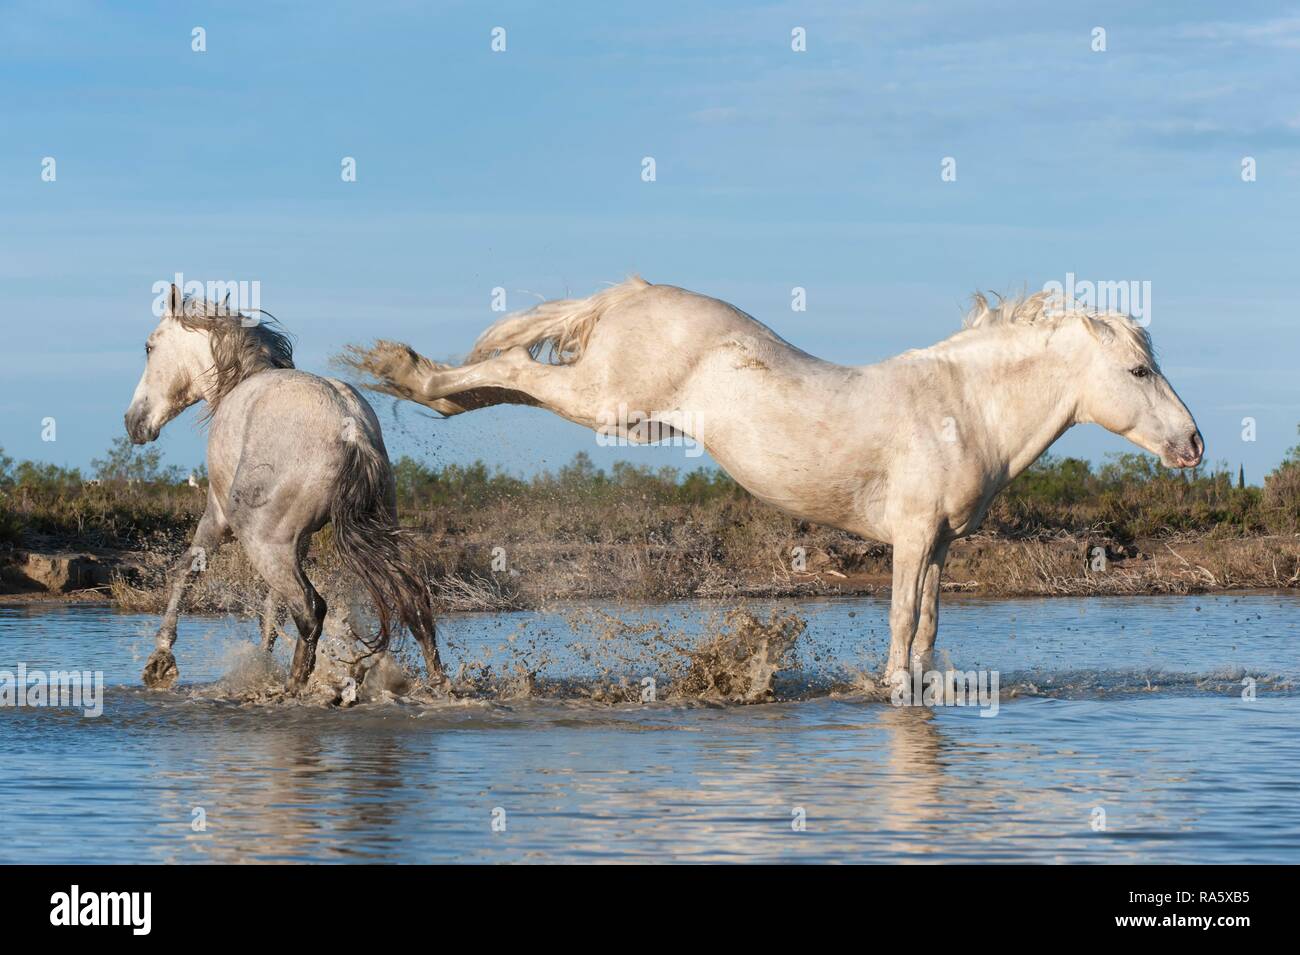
[174, 305]
[1098, 329]
[978, 312]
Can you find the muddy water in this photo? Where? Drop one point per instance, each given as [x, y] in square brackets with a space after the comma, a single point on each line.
[1121, 735]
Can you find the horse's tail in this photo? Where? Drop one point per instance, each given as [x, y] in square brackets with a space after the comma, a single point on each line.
[372, 545]
[558, 330]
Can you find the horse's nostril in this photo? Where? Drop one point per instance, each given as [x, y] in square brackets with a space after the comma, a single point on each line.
[1197, 444]
[134, 419]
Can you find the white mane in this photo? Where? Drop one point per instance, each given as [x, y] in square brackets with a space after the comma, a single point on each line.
[1049, 310]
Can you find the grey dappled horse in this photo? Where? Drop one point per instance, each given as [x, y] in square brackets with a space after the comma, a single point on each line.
[288, 453]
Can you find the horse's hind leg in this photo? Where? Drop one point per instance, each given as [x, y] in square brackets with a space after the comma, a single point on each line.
[435, 674]
[269, 620]
[565, 389]
[513, 376]
[280, 565]
[399, 370]
[160, 671]
[310, 618]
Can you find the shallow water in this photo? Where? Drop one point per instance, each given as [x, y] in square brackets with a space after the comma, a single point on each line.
[1131, 706]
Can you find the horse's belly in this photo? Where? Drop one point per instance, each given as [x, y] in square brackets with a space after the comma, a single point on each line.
[807, 490]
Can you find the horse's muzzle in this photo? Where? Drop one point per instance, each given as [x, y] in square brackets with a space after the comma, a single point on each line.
[1187, 453]
[137, 425]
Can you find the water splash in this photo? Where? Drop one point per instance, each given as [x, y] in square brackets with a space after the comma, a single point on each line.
[740, 663]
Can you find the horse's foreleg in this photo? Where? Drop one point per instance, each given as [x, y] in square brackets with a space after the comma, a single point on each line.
[160, 670]
[912, 558]
[927, 625]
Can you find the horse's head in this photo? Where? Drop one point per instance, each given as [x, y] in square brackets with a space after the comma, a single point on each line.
[177, 356]
[1124, 391]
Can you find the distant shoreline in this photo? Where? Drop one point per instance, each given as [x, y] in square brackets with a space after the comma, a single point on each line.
[544, 573]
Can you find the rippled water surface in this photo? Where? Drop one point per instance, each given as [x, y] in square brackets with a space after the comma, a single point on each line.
[1121, 735]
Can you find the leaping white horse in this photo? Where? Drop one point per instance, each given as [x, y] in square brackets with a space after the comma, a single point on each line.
[910, 451]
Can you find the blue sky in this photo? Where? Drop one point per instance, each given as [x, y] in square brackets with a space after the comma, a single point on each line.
[522, 170]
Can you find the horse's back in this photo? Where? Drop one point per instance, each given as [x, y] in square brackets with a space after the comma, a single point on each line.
[650, 345]
[285, 396]
[282, 439]
[679, 320]
[741, 390]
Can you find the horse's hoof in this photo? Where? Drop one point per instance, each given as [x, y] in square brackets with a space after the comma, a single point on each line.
[347, 693]
[439, 684]
[899, 684]
[160, 671]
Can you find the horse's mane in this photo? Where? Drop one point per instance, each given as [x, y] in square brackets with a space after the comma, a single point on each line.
[1045, 309]
[242, 345]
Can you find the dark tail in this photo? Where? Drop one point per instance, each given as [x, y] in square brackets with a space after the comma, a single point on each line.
[385, 558]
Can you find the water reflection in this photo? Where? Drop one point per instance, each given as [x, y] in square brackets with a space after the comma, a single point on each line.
[1184, 770]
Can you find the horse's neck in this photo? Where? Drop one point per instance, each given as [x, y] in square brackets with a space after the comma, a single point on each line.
[215, 387]
[1028, 394]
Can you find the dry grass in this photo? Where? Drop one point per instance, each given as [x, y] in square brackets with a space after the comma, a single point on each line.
[696, 562]
[1159, 566]
[499, 542]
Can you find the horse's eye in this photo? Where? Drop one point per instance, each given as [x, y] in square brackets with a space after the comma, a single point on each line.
[1141, 371]
[148, 348]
